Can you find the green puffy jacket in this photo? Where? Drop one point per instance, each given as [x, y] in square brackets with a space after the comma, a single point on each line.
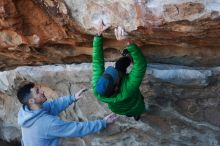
[129, 100]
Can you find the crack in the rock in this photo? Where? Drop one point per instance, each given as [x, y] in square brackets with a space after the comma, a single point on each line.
[177, 9]
[69, 89]
[196, 124]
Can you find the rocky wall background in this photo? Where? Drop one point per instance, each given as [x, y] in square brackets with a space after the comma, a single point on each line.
[180, 39]
[187, 102]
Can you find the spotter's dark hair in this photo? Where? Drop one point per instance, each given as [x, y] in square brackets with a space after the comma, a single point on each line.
[24, 93]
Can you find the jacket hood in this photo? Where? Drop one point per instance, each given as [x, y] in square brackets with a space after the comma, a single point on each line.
[27, 117]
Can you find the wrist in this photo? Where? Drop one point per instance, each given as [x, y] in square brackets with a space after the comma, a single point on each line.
[75, 98]
[104, 122]
[99, 34]
[128, 42]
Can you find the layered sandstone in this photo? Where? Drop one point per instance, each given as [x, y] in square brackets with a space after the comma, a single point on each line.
[38, 32]
[180, 40]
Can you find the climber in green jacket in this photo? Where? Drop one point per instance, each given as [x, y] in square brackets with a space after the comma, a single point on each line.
[113, 85]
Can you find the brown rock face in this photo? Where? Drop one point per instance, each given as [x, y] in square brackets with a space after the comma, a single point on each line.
[36, 32]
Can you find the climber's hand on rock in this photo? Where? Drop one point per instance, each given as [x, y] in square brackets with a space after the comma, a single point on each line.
[102, 27]
[120, 33]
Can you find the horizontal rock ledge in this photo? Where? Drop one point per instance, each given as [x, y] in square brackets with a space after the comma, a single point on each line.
[176, 32]
[177, 75]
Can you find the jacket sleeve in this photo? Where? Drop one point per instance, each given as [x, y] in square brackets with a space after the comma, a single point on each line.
[60, 128]
[58, 105]
[138, 70]
[97, 60]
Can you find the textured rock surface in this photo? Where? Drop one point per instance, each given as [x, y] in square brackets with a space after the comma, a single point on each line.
[187, 113]
[37, 32]
[187, 32]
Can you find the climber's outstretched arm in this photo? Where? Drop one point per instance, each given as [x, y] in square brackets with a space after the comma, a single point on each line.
[139, 63]
[97, 55]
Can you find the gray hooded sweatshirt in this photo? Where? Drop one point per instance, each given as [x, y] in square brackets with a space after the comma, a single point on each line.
[43, 127]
